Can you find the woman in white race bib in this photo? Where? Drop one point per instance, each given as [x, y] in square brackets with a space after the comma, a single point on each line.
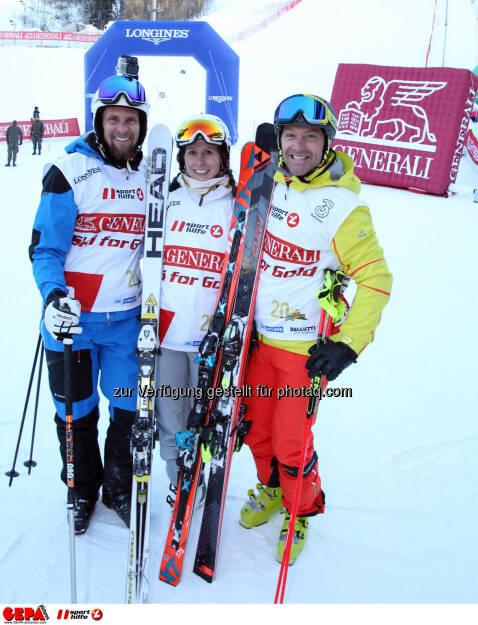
[198, 222]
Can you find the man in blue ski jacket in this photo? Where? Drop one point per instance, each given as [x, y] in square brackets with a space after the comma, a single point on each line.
[86, 246]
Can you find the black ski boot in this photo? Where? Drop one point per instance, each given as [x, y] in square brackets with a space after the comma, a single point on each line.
[120, 503]
[118, 473]
[83, 511]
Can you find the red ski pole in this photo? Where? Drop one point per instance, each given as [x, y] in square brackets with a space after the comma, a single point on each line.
[329, 297]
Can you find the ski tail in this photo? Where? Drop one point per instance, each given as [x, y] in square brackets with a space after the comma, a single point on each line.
[266, 138]
[142, 435]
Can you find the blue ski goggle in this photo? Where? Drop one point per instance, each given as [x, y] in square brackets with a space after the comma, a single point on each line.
[112, 88]
[315, 111]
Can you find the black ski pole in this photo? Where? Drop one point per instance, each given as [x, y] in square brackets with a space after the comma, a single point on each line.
[12, 473]
[30, 462]
[70, 465]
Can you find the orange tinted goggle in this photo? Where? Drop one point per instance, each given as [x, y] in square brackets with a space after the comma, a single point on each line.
[209, 130]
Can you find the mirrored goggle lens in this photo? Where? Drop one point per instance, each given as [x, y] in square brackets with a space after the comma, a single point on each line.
[212, 132]
[112, 88]
[313, 110]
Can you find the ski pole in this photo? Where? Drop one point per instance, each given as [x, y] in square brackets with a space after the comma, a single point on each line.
[12, 473]
[70, 466]
[30, 462]
[334, 283]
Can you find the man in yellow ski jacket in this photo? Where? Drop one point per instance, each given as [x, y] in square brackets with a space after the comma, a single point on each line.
[317, 222]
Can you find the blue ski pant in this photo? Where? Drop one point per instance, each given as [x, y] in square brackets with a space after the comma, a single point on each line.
[104, 355]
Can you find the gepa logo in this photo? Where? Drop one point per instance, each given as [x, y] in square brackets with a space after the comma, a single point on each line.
[25, 615]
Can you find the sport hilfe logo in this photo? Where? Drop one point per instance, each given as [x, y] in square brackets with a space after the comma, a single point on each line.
[67, 614]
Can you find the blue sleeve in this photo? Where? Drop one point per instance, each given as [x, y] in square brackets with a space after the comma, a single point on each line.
[53, 232]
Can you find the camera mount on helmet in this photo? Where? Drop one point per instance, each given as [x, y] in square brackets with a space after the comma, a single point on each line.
[128, 66]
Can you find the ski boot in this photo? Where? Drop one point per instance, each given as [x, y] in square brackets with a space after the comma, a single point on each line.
[120, 503]
[261, 507]
[83, 511]
[298, 539]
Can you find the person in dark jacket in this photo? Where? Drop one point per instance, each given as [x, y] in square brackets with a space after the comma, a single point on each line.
[36, 113]
[14, 138]
[37, 134]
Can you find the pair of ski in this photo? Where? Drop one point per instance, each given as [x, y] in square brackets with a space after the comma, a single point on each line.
[217, 429]
[223, 357]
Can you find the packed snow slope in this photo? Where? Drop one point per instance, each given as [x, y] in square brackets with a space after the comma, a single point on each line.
[398, 459]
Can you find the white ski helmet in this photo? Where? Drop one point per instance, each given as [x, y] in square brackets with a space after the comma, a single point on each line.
[208, 127]
[120, 90]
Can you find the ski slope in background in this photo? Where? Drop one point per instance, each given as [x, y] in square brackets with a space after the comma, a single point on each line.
[398, 459]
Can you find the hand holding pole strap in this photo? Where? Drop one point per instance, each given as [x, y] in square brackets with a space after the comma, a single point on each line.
[62, 316]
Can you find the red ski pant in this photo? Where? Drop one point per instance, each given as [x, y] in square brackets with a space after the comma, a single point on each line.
[277, 430]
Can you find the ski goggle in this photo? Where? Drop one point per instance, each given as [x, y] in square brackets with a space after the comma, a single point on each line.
[112, 88]
[191, 129]
[315, 111]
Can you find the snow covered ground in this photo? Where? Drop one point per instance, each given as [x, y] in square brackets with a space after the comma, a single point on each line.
[398, 459]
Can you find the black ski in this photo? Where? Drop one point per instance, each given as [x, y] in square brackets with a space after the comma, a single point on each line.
[226, 427]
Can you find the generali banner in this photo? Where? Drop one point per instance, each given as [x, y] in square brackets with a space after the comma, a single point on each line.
[53, 128]
[471, 144]
[403, 126]
[33, 35]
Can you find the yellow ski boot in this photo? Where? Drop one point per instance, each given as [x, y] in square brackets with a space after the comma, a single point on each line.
[261, 506]
[298, 539]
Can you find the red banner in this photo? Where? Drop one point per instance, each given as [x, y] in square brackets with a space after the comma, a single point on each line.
[404, 126]
[471, 144]
[33, 35]
[53, 128]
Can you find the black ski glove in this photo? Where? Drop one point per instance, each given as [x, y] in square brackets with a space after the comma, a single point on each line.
[329, 359]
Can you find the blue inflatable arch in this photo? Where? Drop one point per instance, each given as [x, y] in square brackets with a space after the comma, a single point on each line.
[196, 39]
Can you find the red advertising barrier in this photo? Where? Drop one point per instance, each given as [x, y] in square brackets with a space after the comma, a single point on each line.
[404, 126]
[53, 128]
[471, 145]
[33, 35]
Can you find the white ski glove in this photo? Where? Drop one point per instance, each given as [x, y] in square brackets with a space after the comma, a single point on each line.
[62, 316]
